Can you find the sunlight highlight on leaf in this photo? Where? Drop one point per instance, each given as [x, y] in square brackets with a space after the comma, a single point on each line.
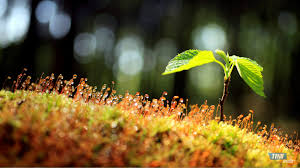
[189, 59]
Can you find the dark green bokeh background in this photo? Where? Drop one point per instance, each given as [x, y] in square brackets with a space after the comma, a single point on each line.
[130, 42]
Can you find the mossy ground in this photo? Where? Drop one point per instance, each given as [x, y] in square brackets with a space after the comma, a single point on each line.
[53, 122]
[50, 129]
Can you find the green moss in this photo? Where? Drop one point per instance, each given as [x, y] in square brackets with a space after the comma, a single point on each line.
[101, 135]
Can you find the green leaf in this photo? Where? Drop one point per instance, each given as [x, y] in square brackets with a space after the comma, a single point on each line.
[222, 54]
[250, 71]
[189, 59]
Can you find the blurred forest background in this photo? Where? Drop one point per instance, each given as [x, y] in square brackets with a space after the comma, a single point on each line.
[131, 41]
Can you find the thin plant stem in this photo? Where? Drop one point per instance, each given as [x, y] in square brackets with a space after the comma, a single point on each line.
[222, 100]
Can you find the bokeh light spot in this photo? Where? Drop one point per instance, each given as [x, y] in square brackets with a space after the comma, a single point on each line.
[105, 42]
[130, 62]
[18, 23]
[105, 39]
[210, 37]
[130, 51]
[3, 7]
[15, 24]
[84, 47]
[60, 25]
[45, 11]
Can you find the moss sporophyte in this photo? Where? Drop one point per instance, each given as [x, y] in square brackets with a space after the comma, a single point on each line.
[249, 70]
[59, 122]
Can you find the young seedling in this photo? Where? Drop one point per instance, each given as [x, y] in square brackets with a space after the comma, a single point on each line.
[248, 69]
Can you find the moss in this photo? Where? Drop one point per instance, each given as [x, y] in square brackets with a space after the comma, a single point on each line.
[59, 131]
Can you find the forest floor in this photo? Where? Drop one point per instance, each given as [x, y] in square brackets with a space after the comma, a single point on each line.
[52, 126]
